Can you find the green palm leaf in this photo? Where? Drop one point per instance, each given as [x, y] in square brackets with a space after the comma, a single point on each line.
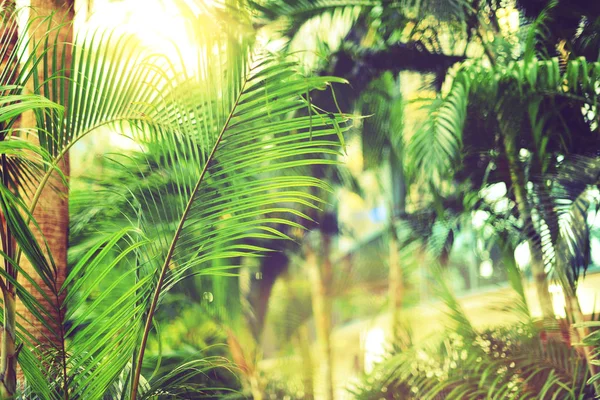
[222, 138]
[297, 13]
[14, 105]
[435, 149]
[224, 202]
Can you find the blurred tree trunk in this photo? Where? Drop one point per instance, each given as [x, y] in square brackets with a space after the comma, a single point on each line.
[525, 208]
[537, 262]
[318, 258]
[397, 210]
[272, 266]
[561, 265]
[302, 340]
[512, 112]
[52, 210]
[244, 358]
[396, 282]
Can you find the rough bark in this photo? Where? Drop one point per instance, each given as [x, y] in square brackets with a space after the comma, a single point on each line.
[51, 211]
[9, 37]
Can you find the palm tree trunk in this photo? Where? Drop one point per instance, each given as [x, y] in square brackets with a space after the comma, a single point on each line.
[52, 216]
[256, 388]
[52, 210]
[9, 37]
[537, 262]
[397, 208]
[396, 283]
[321, 274]
[518, 183]
[8, 362]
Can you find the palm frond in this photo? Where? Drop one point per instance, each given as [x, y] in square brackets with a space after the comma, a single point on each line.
[223, 203]
[571, 195]
[13, 105]
[294, 14]
[442, 10]
[220, 140]
[383, 105]
[593, 340]
[435, 148]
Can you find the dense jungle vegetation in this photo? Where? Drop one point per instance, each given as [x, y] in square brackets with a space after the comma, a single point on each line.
[300, 199]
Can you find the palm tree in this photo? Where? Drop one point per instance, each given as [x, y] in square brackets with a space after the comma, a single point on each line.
[362, 65]
[9, 39]
[53, 214]
[523, 106]
[223, 133]
[460, 116]
[50, 207]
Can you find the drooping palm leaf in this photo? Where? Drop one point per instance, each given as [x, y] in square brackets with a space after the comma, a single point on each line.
[294, 14]
[240, 127]
[571, 195]
[218, 217]
[435, 148]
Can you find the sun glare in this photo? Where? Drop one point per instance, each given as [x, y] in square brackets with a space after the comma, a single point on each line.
[162, 26]
[374, 347]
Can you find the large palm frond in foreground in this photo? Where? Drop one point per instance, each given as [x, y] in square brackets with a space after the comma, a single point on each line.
[232, 123]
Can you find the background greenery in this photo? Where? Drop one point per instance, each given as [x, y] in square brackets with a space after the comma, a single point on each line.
[301, 199]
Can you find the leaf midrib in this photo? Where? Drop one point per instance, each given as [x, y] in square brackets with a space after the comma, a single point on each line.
[165, 267]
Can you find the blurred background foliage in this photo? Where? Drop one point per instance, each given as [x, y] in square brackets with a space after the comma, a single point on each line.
[457, 254]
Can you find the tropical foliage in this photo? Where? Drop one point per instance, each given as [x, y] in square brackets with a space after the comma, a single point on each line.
[215, 142]
[219, 248]
[513, 362]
